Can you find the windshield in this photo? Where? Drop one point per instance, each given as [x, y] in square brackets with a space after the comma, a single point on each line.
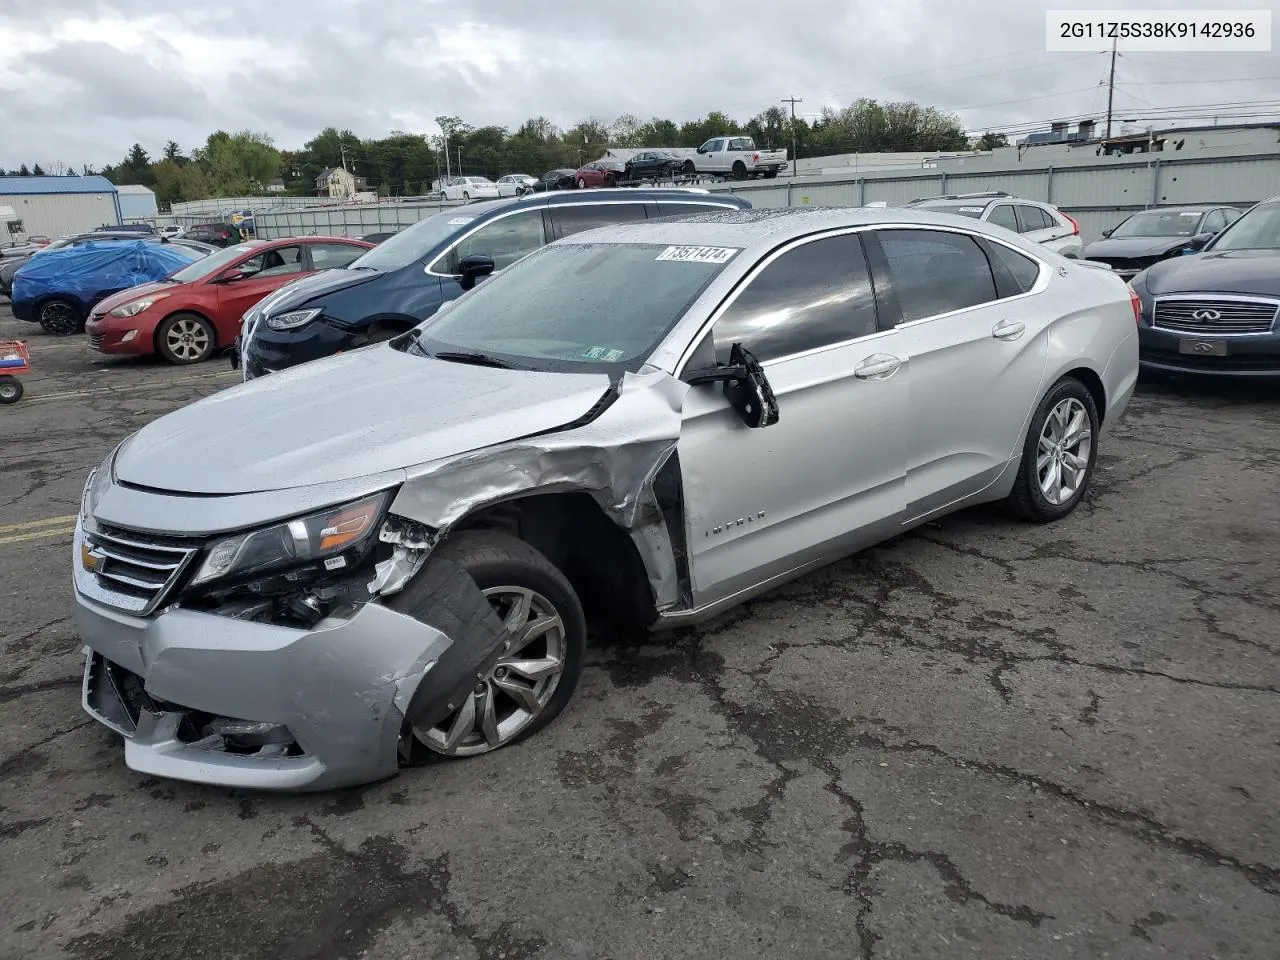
[578, 307]
[1259, 229]
[208, 265]
[1160, 223]
[412, 243]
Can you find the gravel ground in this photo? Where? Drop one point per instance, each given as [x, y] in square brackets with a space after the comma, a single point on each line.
[984, 740]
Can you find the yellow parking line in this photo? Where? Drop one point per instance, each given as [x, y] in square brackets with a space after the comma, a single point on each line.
[66, 531]
[34, 524]
[149, 385]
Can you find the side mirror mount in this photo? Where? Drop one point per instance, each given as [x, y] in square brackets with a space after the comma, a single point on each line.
[1108, 231]
[234, 276]
[474, 268]
[1199, 240]
[745, 386]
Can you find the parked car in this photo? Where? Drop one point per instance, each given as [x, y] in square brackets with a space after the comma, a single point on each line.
[409, 277]
[468, 188]
[1215, 312]
[1040, 222]
[189, 315]
[171, 231]
[649, 164]
[736, 157]
[11, 249]
[396, 550]
[217, 234]
[126, 228]
[1145, 238]
[9, 266]
[377, 238]
[562, 178]
[511, 184]
[601, 173]
[58, 289]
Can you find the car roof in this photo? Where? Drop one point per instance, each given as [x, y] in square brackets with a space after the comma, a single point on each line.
[1183, 206]
[483, 208]
[769, 227]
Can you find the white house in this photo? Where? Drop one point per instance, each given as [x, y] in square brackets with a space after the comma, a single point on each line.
[338, 182]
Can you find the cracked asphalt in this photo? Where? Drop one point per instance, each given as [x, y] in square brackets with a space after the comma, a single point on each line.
[984, 740]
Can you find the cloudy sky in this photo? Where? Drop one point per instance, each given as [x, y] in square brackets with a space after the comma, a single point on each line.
[81, 80]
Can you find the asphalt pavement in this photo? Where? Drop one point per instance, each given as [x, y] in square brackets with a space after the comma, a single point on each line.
[984, 740]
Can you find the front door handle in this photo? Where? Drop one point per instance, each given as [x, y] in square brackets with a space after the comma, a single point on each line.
[1008, 329]
[878, 366]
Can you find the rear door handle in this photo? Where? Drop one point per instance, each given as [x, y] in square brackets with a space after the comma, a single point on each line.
[878, 366]
[1008, 329]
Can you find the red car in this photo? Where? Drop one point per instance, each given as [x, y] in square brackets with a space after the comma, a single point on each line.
[601, 173]
[196, 311]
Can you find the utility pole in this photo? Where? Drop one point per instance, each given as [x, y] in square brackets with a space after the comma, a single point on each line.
[794, 159]
[1111, 91]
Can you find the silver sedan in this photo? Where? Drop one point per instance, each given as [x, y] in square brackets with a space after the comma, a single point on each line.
[317, 578]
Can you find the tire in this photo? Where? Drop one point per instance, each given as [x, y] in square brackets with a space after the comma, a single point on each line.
[689, 169]
[466, 195]
[60, 318]
[770, 174]
[739, 170]
[1028, 498]
[186, 338]
[497, 560]
[582, 184]
[10, 389]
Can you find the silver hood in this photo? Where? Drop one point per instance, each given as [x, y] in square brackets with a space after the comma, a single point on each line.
[348, 416]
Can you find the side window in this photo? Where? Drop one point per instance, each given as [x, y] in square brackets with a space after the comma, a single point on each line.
[273, 263]
[332, 256]
[505, 240]
[935, 272]
[686, 209]
[812, 296]
[711, 146]
[1033, 218]
[1020, 273]
[1215, 221]
[1002, 216]
[573, 218]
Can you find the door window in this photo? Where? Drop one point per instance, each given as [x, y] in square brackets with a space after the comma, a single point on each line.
[812, 296]
[574, 218]
[1215, 221]
[1003, 216]
[1020, 272]
[332, 256]
[273, 263]
[935, 272]
[505, 240]
[1033, 218]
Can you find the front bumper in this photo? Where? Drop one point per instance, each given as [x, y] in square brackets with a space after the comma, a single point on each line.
[341, 690]
[1248, 356]
[106, 337]
[265, 350]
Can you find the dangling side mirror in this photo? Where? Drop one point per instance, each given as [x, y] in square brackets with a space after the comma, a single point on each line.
[745, 386]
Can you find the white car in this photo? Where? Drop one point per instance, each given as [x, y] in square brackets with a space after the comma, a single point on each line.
[1039, 222]
[469, 188]
[171, 231]
[513, 184]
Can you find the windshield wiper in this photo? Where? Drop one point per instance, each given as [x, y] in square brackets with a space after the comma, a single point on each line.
[479, 359]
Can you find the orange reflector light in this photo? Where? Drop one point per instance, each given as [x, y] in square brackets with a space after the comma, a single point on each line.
[348, 526]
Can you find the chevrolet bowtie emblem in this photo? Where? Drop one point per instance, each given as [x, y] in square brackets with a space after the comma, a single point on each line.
[90, 560]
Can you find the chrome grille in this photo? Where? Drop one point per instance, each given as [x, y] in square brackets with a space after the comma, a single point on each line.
[1215, 315]
[136, 570]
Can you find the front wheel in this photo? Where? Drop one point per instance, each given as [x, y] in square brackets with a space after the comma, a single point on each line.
[60, 318]
[1059, 455]
[10, 389]
[537, 671]
[689, 169]
[582, 184]
[185, 338]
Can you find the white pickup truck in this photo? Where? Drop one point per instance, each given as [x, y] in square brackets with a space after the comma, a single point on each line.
[736, 157]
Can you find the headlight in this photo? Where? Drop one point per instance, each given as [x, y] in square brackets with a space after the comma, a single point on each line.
[135, 307]
[292, 320]
[96, 484]
[321, 536]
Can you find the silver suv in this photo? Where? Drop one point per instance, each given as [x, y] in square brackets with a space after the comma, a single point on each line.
[1039, 222]
[311, 579]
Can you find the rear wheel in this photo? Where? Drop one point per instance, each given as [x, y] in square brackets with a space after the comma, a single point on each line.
[10, 389]
[739, 170]
[536, 674]
[582, 184]
[1059, 454]
[466, 195]
[185, 338]
[688, 169]
[60, 318]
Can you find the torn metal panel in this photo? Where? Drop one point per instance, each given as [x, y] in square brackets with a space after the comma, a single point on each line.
[614, 458]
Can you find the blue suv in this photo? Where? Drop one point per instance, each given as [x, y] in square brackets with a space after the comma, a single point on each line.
[409, 276]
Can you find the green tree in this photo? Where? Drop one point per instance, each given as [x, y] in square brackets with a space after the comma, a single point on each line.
[659, 133]
[23, 171]
[989, 141]
[238, 164]
[36, 171]
[173, 152]
[625, 132]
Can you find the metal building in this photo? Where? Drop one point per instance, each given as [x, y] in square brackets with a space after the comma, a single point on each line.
[56, 206]
[137, 202]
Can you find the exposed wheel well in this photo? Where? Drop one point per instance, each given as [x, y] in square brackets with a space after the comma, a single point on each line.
[155, 336]
[593, 552]
[391, 324]
[1093, 383]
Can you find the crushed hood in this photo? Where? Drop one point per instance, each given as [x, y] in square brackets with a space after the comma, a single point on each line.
[360, 413]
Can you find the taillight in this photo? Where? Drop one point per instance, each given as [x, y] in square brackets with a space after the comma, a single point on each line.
[755, 158]
[1075, 224]
[1136, 301]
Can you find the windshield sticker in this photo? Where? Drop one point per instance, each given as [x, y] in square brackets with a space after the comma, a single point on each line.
[602, 353]
[1189, 216]
[697, 254]
[460, 220]
[972, 209]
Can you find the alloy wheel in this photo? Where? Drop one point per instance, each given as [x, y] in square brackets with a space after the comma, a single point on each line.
[518, 687]
[1063, 451]
[58, 318]
[187, 339]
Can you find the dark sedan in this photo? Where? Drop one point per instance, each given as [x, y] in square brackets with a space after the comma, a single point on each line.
[1154, 235]
[654, 163]
[562, 179]
[1215, 312]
